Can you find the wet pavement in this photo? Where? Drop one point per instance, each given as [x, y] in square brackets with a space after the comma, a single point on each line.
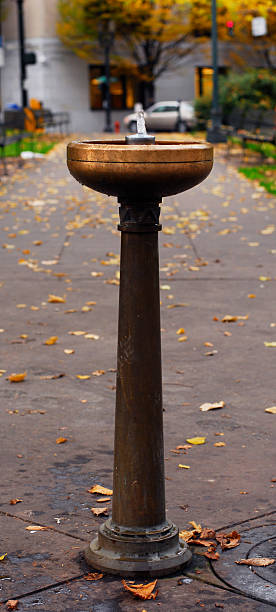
[217, 251]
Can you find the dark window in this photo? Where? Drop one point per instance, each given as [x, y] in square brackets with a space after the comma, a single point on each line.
[122, 89]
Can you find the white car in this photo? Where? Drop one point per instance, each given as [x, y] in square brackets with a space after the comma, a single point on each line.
[165, 116]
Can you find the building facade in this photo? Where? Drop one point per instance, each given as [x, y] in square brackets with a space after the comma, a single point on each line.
[64, 82]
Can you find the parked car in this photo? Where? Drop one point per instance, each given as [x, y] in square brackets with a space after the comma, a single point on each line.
[165, 116]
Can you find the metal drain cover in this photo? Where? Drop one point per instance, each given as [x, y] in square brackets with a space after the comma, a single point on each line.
[256, 582]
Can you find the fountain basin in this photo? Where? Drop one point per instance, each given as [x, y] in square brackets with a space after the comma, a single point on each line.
[141, 171]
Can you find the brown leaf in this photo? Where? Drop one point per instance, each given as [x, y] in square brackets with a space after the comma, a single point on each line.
[61, 440]
[256, 561]
[98, 372]
[143, 591]
[201, 542]
[12, 604]
[100, 490]
[186, 535]
[100, 511]
[15, 501]
[93, 576]
[211, 553]
[228, 540]
[207, 533]
[103, 499]
[52, 376]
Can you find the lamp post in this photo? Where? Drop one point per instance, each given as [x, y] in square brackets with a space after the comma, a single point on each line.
[106, 38]
[24, 93]
[215, 134]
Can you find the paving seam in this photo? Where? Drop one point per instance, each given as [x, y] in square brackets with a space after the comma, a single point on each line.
[46, 588]
[19, 518]
[253, 518]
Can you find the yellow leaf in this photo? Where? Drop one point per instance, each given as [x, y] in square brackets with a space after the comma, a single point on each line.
[196, 440]
[51, 340]
[21, 305]
[271, 344]
[186, 535]
[76, 333]
[271, 410]
[55, 299]
[61, 440]
[83, 376]
[96, 273]
[268, 230]
[186, 467]
[3, 556]
[86, 309]
[181, 330]
[36, 528]
[182, 339]
[251, 295]
[207, 406]
[68, 351]
[99, 490]
[196, 526]
[165, 287]
[91, 337]
[265, 278]
[219, 444]
[17, 377]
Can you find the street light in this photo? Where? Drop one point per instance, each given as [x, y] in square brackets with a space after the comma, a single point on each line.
[215, 134]
[106, 38]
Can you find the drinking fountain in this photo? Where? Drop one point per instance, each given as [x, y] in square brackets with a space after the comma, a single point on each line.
[139, 171]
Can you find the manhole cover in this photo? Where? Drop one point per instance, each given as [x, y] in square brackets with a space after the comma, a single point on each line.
[256, 582]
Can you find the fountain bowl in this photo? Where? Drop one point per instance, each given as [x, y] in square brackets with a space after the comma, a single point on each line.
[139, 171]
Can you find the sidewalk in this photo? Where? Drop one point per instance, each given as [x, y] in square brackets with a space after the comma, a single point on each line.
[217, 258]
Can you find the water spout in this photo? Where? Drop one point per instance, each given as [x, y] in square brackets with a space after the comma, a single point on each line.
[142, 137]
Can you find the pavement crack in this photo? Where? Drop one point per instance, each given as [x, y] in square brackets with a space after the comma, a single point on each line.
[20, 518]
[45, 588]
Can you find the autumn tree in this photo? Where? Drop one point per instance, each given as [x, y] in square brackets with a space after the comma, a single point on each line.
[151, 37]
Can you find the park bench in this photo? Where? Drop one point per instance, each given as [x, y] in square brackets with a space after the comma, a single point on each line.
[48, 120]
[12, 131]
[253, 125]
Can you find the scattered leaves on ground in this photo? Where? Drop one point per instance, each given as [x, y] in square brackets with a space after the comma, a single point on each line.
[143, 591]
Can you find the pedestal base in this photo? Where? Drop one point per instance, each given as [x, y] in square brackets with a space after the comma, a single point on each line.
[151, 552]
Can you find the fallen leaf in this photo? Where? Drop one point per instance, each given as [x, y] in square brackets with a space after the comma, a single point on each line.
[83, 376]
[93, 576]
[51, 340]
[55, 299]
[186, 467]
[15, 501]
[232, 319]
[186, 535]
[256, 561]
[101, 500]
[68, 351]
[181, 330]
[265, 278]
[52, 376]
[91, 336]
[208, 344]
[268, 230]
[207, 406]
[251, 295]
[99, 490]
[220, 444]
[228, 540]
[227, 333]
[196, 526]
[143, 591]
[17, 377]
[271, 344]
[183, 447]
[271, 410]
[99, 511]
[98, 372]
[36, 528]
[207, 533]
[2, 557]
[76, 333]
[61, 440]
[201, 542]
[212, 554]
[12, 604]
[182, 339]
[196, 440]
